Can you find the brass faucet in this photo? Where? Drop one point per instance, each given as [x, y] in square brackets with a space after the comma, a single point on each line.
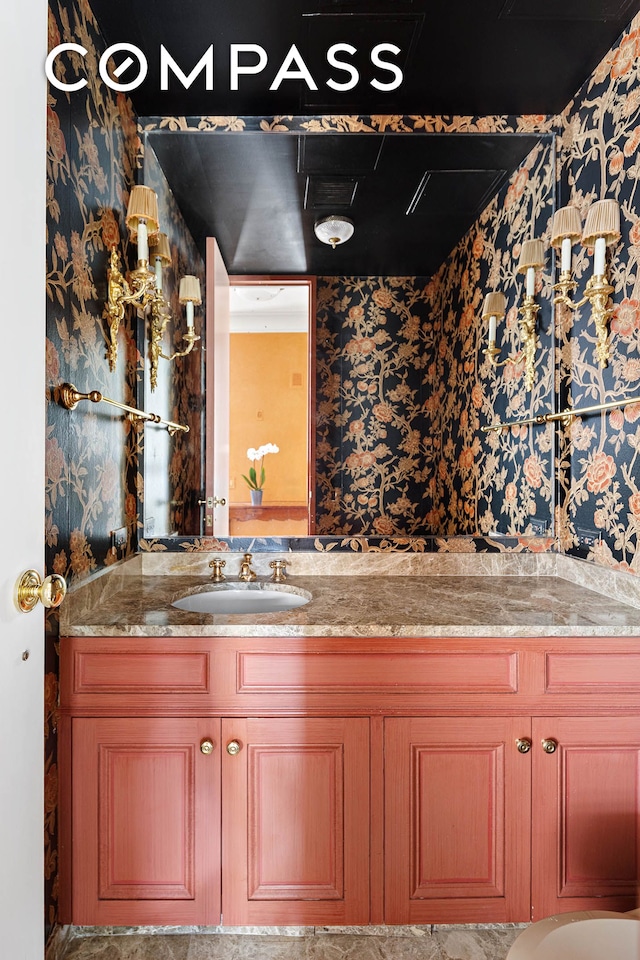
[246, 573]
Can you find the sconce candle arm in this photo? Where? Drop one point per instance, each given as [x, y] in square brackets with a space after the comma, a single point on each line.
[69, 397]
[190, 338]
[565, 415]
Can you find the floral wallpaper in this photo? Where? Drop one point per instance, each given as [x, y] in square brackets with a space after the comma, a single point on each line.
[375, 453]
[599, 456]
[91, 455]
[404, 388]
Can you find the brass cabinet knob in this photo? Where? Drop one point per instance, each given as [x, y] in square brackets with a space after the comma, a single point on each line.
[523, 744]
[233, 748]
[207, 747]
[549, 745]
[30, 588]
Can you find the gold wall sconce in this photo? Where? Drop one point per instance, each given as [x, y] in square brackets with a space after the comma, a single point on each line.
[601, 230]
[139, 289]
[189, 295]
[494, 309]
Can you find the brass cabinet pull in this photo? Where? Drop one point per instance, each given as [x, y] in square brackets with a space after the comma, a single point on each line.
[207, 747]
[549, 745]
[233, 748]
[523, 744]
[30, 588]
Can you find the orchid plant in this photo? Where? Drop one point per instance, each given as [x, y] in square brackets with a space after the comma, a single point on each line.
[255, 481]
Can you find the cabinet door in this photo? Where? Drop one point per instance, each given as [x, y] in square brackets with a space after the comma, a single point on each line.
[586, 826]
[146, 821]
[295, 821]
[457, 820]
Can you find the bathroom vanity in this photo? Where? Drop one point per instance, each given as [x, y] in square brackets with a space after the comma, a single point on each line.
[417, 744]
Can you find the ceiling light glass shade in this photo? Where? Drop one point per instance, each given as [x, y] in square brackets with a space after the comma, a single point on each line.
[334, 229]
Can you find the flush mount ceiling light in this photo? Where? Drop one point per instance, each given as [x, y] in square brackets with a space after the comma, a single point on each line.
[334, 229]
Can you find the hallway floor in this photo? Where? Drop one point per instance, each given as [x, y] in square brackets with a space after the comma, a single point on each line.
[406, 943]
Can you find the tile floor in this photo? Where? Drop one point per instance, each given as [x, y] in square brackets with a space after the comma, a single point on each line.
[412, 943]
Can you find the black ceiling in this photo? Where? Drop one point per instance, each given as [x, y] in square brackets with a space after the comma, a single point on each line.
[458, 56]
[260, 195]
[411, 198]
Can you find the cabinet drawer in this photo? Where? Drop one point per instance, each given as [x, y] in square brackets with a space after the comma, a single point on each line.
[331, 672]
[135, 675]
[568, 673]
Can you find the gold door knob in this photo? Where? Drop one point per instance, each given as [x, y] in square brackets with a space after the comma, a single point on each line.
[207, 747]
[233, 748]
[219, 502]
[523, 744]
[30, 588]
[549, 745]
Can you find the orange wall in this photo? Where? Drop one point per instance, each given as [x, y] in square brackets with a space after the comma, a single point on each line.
[266, 407]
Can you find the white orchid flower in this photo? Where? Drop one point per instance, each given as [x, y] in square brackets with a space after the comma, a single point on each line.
[254, 480]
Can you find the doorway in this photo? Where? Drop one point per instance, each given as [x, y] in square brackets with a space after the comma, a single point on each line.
[271, 373]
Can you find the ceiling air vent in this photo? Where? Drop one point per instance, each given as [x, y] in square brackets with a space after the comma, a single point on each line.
[329, 192]
[602, 10]
[472, 190]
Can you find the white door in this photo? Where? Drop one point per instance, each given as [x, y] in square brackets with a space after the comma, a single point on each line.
[217, 395]
[23, 38]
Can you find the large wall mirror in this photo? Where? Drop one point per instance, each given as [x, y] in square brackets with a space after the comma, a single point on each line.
[394, 377]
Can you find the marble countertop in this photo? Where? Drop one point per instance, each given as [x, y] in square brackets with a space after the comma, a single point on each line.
[534, 596]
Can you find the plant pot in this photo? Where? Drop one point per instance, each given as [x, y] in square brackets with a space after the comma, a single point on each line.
[256, 497]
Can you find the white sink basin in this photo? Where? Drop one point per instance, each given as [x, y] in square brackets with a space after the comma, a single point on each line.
[243, 598]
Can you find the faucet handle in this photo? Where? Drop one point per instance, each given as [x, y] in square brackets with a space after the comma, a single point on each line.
[278, 567]
[217, 563]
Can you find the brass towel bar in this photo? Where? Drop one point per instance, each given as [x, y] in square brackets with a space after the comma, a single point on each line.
[566, 415]
[69, 396]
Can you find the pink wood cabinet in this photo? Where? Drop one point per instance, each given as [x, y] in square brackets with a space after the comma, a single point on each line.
[352, 780]
[458, 820]
[586, 837]
[295, 824]
[146, 815]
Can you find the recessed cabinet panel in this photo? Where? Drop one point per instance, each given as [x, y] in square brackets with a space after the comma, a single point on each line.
[146, 805]
[455, 789]
[588, 844]
[295, 821]
[293, 862]
[146, 793]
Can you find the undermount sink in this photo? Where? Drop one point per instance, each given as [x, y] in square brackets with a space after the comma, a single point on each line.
[243, 598]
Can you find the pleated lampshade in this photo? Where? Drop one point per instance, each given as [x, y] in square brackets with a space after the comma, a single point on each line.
[603, 220]
[494, 305]
[531, 255]
[190, 290]
[143, 205]
[566, 225]
[161, 249]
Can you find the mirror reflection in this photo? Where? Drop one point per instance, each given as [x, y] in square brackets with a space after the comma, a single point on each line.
[398, 381]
